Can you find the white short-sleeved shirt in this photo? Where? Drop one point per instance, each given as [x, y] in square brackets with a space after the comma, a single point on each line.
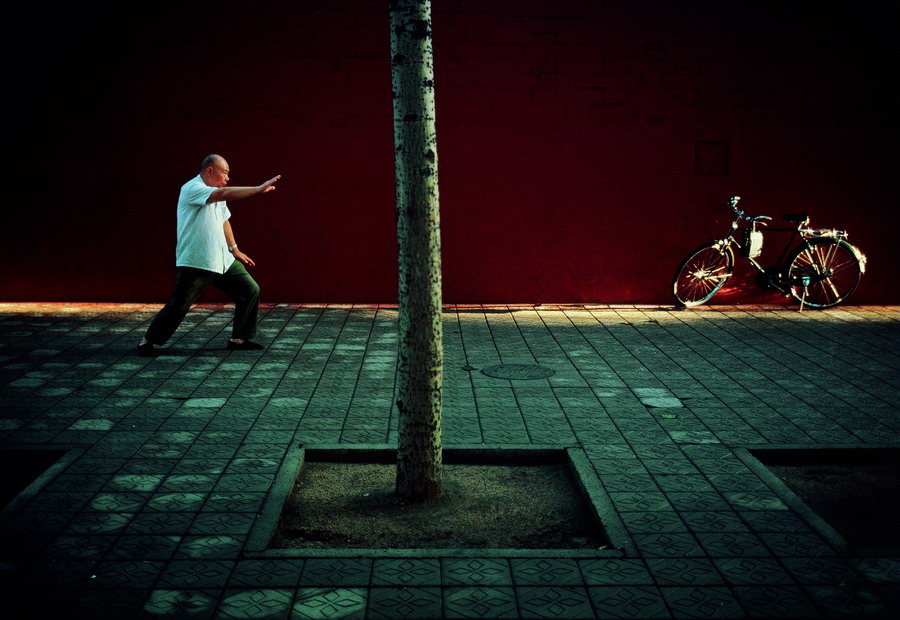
[201, 236]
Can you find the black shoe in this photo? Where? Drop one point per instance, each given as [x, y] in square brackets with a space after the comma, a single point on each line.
[147, 350]
[247, 345]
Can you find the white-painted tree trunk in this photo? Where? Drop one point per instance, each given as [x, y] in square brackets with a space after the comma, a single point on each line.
[420, 361]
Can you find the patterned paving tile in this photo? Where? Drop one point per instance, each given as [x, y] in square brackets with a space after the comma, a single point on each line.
[772, 601]
[879, 569]
[99, 522]
[615, 572]
[316, 603]
[752, 571]
[640, 501]
[144, 547]
[796, 544]
[480, 602]
[654, 522]
[848, 600]
[732, 544]
[255, 603]
[212, 546]
[554, 602]
[546, 572]
[191, 574]
[476, 572]
[401, 603]
[714, 521]
[79, 547]
[702, 602]
[668, 544]
[161, 523]
[223, 523]
[336, 572]
[406, 572]
[774, 521]
[193, 603]
[266, 573]
[112, 603]
[176, 502]
[820, 570]
[126, 574]
[684, 571]
[628, 602]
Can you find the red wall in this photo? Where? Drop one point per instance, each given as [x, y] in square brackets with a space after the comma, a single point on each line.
[574, 142]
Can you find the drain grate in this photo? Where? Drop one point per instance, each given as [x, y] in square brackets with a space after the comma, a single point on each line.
[518, 371]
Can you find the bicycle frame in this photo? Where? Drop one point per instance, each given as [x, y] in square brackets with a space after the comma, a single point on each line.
[802, 233]
[818, 267]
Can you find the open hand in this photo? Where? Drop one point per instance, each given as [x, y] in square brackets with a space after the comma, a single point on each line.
[269, 185]
[244, 258]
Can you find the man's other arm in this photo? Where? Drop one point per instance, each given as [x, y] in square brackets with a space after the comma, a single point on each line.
[239, 193]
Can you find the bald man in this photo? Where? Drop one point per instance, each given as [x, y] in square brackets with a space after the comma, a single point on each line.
[207, 253]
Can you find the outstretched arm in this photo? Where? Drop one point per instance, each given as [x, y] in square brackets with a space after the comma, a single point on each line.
[229, 239]
[239, 193]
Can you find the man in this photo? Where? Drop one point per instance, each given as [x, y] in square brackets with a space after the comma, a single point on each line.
[206, 253]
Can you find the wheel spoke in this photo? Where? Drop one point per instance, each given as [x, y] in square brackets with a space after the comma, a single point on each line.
[701, 275]
[824, 274]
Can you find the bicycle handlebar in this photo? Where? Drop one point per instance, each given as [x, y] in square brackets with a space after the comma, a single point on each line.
[732, 202]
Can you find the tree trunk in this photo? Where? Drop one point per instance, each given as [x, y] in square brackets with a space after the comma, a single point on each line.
[420, 356]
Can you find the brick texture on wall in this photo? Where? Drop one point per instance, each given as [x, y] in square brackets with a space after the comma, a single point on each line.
[584, 145]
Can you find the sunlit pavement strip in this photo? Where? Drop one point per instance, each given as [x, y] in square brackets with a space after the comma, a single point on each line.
[170, 460]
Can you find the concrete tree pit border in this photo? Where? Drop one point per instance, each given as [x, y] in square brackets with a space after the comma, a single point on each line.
[607, 526]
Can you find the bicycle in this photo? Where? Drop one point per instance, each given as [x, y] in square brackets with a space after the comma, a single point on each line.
[821, 271]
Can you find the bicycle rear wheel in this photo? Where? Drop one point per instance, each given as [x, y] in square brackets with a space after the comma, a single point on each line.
[824, 274]
[702, 274]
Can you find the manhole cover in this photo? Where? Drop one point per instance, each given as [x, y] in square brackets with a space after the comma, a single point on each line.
[517, 371]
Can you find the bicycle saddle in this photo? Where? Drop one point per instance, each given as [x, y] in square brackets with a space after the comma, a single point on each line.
[795, 217]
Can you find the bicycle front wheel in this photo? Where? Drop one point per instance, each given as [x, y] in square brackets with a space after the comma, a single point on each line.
[823, 274]
[702, 274]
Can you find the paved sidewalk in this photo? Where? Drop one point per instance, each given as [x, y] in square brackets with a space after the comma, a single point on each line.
[166, 464]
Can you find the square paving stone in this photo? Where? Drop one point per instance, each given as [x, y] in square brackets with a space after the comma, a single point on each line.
[545, 572]
[854, 601]
[668, 545]
[554, 602]
[628, 602]
[337, 572]
[774, 601]
[807, 544]
[126, 574]
[316, 603]
[653, 522]
[408, 572]
[732, 544]
[161, 523]
[274, 573]
[109, 603]
[714, 521]
[270, 603]
[194, 603]
[476, 571]
[193, 574]
[752, 571]
[684, 572]
[480, 602]
[702, 602]
[214, 546]
[144, 547]
[401, 603]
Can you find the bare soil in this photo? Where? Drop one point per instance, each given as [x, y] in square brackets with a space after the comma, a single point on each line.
[860, 501]
[353, 506]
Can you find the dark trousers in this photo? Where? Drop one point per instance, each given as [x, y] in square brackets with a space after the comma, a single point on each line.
[190, 284]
